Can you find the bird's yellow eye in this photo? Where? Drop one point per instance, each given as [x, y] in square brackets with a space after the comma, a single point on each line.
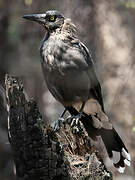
[52, 18]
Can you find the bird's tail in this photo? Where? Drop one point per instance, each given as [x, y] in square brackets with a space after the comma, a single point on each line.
[115, 147]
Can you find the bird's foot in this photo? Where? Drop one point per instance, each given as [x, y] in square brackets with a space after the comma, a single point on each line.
[61, 121]
[72, 120]
[75, 120]
[75, 123]
[58, 123]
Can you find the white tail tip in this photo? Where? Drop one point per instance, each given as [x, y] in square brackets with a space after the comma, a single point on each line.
[127, 162]
[126, 155]
[121, 169]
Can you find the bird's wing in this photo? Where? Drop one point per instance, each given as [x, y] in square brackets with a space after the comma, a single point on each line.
[95, 85]
[94, 105]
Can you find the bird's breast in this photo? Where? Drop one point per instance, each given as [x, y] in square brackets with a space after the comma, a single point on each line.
[66, 81]
[58, 54]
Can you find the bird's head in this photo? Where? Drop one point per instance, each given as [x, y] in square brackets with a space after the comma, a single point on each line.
[51, 20]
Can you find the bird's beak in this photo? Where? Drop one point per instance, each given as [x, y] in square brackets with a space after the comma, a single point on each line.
[40, 18]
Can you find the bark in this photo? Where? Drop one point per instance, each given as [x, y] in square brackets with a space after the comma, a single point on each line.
[42, 154]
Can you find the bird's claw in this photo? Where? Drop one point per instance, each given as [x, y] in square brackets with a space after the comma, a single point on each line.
[75, 124]
[58, 124]
[75, 120]
[75, 129]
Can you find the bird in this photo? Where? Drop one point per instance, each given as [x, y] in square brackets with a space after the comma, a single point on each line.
[70, 75]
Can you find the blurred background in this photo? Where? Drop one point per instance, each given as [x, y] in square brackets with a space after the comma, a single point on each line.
[106, 27]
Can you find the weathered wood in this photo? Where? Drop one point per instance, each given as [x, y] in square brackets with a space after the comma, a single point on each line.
[42, 154]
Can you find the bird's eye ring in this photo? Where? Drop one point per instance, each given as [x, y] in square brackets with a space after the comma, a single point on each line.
[52, 18]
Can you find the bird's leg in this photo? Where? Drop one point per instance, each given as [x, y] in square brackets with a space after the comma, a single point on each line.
[59, 120]
[75, 119]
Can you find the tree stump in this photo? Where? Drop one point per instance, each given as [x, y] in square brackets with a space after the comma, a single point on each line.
[42, 154]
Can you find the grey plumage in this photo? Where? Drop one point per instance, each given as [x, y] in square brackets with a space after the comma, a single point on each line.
[68, 68]
[70, 76]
